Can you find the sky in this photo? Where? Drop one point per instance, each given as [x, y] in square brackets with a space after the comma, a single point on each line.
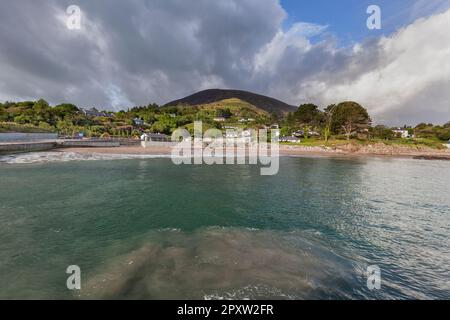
[347, 18]
[136, 52]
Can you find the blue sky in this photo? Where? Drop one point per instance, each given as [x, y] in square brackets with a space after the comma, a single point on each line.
[346, 19]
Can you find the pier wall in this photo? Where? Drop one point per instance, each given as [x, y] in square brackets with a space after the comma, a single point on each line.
[26, 147]
[88, 144]
[26, 137]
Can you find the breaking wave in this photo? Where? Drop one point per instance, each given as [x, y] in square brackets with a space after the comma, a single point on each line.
[55, 156]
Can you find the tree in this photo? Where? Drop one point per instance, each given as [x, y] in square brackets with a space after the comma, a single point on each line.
[46, 126]
[149, 117]
[165, 124]
[3, 113]
[445, 135]
[349, 117]
[64, 110]
[22, 119]
[41, 112]
[273, 117]
[328, 117]
[306, 130]
[308, 114]
[425, 130]
[225, 113]
[382, 132]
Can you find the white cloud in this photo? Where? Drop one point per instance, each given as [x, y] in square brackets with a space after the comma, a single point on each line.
[408, 63]
[297, 37]
[142, 51]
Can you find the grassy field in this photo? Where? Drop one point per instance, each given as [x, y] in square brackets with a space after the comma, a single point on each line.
[236, 106]
[431, 143]
[414, 143]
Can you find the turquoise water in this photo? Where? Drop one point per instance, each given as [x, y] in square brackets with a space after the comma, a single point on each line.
[147, 229]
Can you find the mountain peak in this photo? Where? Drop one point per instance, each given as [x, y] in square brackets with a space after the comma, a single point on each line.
[265, 103]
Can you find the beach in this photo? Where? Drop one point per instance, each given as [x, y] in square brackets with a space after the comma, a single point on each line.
[291, 150]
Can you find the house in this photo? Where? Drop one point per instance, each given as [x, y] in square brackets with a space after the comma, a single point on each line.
[290, 139]
[138, 122]
[95, 113]
[245, 120]
[245, 136]
[155, 137]
[298, 133]
[231, 134]
[219, 119]
[271, 127]
[301, 133]
[401, 133]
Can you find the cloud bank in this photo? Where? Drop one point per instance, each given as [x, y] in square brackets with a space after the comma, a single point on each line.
[136, 52]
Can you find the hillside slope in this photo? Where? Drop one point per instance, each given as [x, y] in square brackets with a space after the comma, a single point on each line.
[236, 106]
[214, 95]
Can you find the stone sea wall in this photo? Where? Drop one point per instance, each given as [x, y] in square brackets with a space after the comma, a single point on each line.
[26, 147]
[18, 136]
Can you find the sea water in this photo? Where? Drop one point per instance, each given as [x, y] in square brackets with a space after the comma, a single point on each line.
[144, 228]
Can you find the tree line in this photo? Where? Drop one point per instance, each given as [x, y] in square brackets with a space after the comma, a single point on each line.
[344, 120]
[350, 119]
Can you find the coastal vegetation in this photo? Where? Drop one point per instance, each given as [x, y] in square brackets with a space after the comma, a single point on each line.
[342, 123]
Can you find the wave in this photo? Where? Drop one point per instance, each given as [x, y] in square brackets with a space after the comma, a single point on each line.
[60, 156]
[55, 156]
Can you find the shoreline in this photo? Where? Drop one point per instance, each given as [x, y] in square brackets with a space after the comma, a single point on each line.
[347, 151]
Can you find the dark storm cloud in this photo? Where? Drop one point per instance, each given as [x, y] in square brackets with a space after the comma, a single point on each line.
[136, 52]
[133, 51]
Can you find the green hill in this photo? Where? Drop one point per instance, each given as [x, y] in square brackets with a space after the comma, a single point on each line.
[211, 96]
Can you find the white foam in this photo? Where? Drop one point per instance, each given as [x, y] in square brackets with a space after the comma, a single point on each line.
[249, 292]
[46, 157]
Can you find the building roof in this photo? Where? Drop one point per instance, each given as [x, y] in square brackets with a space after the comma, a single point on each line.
[156, 135]
[290, 138]
[94, 113]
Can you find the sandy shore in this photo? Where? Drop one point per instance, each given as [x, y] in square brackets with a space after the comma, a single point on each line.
[344, 151]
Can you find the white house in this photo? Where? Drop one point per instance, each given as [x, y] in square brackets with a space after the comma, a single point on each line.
[245, 136]
[138, 122]
[155, 137]
[290, 139]
[243, 120]
[402, 133]
[231, 134]
[301, 133]
[95, 113]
